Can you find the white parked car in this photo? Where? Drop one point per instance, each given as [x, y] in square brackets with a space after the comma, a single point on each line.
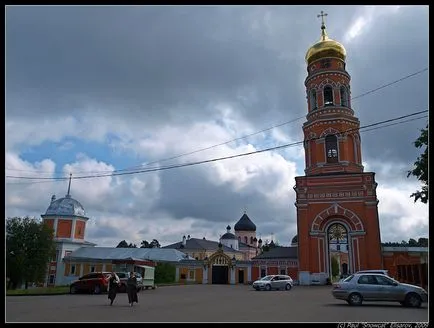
[278, 281]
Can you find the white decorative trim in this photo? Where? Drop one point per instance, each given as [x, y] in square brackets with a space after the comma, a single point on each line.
[74, 221]
[357, 233]
[319, 256]
[328, 131]
[56, 222]
[324, 254]
[353, 265]
[316, 233]
[358, 253]
[326, 213]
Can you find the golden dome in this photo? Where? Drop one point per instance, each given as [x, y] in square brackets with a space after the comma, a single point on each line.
[325, 47]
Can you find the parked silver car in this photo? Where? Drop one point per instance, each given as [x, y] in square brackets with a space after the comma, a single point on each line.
[384, 272]
[361, 287]
[270, 282]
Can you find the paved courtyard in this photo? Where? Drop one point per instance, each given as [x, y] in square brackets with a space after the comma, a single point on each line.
[208, 303]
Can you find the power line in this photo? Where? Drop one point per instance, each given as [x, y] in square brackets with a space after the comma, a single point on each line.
[236, 139]
[232, 156]
[391, 83]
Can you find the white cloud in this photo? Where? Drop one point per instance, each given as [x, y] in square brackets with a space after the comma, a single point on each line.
[366, 18]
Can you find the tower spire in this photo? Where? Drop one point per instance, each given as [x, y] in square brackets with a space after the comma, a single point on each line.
[69, 185]
[323, 27]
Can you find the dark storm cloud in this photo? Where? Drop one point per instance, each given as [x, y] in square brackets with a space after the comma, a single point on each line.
[185, 194]
[139, 58]
[169, 63]
[104, 231]
[388, 51]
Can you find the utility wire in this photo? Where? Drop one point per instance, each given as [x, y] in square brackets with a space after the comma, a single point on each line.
[189, 164]
[236, 139]
[227, 157]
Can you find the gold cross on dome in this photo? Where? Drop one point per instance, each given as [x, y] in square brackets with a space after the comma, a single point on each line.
[322, 15]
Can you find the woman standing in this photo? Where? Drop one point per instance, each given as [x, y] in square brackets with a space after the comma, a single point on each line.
[132, 289]
[112, 288]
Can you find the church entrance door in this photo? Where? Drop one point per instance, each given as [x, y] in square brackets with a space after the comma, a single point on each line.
[220, 274]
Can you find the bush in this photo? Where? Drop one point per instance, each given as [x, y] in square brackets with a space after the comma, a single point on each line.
[165, 273]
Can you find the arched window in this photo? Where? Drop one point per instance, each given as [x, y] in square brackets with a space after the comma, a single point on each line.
[313, 102]
[344, 97]
[239, 239]
[245, 239]
[331, 142]
[251, 240]
[328, 96]
[337, 236]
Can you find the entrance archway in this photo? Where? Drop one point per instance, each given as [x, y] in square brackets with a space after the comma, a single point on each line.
[344, 268]
[241, 276]
[338, 250]
[219, 263]
[220, 274]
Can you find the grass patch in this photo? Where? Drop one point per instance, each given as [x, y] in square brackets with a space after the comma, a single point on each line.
[39, 291]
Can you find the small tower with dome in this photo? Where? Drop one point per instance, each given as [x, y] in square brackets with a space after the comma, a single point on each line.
[229, 239]
[67, 217]
[245, 230]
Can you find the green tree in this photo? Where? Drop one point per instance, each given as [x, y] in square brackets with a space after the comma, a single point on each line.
[29, 248]
[412, 242]
[144, 244]
[165, 273]
[420, 167]
[265, 247]
[155, 244]
[335, 266]
[122, 244]
[422, 242]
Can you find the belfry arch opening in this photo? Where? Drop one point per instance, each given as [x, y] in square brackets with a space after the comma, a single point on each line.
[338, 250]
[328, 96]
[331, 143]
[344, 97]
[313, 102]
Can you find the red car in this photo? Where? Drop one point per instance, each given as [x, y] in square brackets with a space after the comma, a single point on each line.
[95, 282]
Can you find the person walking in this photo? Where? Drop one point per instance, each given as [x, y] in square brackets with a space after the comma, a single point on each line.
[112, 288]
[132, 289]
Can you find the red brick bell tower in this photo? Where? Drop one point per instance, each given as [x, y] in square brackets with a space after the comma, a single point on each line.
[337, 214]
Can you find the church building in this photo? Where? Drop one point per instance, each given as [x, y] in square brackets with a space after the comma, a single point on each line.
[338, 231]
[66, 216]
[336, 201]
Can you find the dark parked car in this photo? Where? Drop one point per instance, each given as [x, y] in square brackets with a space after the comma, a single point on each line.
[95, 282]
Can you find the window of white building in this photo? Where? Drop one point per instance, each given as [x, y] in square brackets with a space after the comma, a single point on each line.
[191, 274]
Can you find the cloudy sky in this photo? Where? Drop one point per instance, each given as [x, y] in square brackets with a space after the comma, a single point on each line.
[90, 90]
